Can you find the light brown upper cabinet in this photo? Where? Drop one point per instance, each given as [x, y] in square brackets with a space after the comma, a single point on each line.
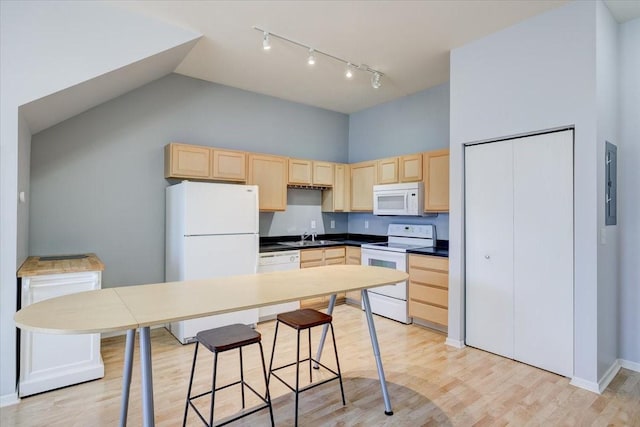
[436, 180]
[337, 198]
[300, 172]
[411, 168]
[363, 176]
[323, 174]
[229, 165]
[269, 173]
[187, 161]
[387, 171]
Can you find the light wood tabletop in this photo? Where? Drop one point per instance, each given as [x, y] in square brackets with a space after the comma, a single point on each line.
[131, 307]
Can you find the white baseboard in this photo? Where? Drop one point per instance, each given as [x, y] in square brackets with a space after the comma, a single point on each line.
[454, 343]
[609, 376]
[591, 386]
[9, 399]
[628, 364]
[118, 333]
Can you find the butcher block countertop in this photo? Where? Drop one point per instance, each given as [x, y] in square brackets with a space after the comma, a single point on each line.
[40, 266]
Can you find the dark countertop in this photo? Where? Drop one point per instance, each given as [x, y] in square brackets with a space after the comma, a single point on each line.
[270, 244]
[437, 251]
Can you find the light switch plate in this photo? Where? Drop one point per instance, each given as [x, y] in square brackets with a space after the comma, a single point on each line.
[366, 224]
[313, 224]
[333, 224]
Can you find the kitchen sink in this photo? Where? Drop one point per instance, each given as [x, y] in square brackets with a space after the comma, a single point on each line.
[309, 243]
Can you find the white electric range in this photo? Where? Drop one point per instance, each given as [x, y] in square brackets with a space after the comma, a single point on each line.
[391, 300]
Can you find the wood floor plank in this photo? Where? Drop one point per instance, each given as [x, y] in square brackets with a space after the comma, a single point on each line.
[430, 384]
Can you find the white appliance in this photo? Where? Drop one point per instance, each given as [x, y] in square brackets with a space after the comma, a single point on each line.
[278, 261]
[399, 199]
[391, 300]
[211, 231]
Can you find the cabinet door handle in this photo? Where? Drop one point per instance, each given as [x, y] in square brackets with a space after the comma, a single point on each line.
[487, 257]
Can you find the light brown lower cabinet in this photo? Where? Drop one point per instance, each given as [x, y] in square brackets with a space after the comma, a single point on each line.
[315, 258]
[353, 258]
[429, 288]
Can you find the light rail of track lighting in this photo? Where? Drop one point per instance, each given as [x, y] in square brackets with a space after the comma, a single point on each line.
[376, 76]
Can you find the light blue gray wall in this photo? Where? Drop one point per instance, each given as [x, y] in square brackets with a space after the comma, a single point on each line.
[629, 181]
[415, 123]
[97, 179]
[607, 110]
[535, 75]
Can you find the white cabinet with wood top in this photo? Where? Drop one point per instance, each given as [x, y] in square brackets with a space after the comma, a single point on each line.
[429, 288]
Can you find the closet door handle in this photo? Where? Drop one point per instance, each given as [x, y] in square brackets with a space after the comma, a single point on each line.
[487, 257]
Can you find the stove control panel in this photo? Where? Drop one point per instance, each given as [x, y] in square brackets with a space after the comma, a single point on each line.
[423, 231]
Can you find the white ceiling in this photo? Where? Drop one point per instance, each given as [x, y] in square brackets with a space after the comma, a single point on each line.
[408, 41]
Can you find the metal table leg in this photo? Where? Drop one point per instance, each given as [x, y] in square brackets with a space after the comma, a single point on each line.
[376, 353]
[147, 377]
[325, 328]
[126, 376]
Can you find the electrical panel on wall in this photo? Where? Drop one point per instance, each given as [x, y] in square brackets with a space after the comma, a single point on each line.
[611, 190]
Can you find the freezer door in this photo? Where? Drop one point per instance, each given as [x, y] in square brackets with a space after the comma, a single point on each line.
[220, 208]
[220, 256]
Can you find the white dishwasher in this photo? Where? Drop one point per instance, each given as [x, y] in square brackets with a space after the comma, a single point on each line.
[278, 261]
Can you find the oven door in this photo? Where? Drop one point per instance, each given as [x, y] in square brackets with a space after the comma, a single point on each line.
[388, 259]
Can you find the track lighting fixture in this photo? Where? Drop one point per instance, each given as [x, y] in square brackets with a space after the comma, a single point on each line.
[311, 60]
[376, 76]
[375, 80]
[349, 73]
[266, 44]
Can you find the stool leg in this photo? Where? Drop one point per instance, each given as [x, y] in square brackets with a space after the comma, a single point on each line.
[310, 378]
[333, 336]
[213, 387]
[273, 351]
[266, 383]
[241, 377]
[193, 368]
[297, 376]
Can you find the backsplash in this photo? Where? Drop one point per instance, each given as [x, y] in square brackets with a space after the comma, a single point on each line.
[378, 224]
[303, 207]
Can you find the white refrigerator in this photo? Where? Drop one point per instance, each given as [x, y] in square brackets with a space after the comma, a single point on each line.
[211, 231]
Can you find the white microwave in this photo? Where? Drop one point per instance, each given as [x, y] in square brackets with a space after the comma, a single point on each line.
[399, 199]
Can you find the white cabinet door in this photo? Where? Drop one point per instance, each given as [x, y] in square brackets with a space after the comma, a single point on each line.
[489, 247]
[543, 251]
[519, 249]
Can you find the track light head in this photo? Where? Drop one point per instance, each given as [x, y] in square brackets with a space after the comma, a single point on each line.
[266, 44]
[375, 80]
[311, 60]
[349, 73]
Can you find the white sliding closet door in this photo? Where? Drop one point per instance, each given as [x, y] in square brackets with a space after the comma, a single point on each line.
[489, 247]
[519, 249]
[543, 251]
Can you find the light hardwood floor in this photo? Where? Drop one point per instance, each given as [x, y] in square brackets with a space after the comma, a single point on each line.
[429, 383]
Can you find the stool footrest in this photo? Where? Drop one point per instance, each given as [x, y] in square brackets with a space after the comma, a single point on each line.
[242, 414]
[312, 385]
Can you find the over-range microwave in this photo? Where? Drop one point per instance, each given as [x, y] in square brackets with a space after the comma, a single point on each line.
[399, 199]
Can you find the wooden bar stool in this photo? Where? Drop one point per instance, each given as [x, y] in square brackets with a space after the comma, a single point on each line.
[222, 339]
[301, 320]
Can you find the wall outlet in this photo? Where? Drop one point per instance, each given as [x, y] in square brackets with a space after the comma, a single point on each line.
[366, 224]
[313, 224]
[333, 224]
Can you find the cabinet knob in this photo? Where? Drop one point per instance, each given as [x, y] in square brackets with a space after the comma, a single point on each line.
[487, 257]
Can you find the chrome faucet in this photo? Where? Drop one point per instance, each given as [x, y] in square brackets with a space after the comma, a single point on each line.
[307, 234]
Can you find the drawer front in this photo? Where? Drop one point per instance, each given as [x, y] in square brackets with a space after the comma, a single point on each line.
[308, 264]
[436, 278]
[429, 294]
[311, 255]
[429, 262]
[333, 261]
[428, 312]
[334, 253]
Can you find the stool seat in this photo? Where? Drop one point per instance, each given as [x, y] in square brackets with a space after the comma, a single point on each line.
[228, 337]
[304, 319]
